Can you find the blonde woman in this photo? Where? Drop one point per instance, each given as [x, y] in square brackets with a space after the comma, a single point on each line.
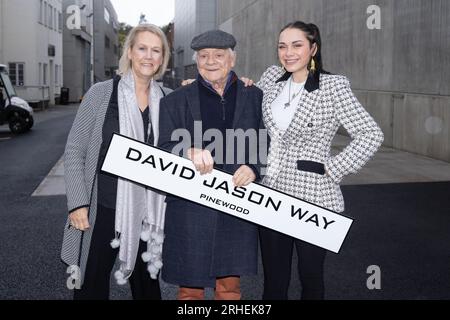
[110, 216]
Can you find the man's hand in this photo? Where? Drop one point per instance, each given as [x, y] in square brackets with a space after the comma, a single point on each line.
[243, 176]
[187, 82]
[247, 82]
[202, 160]
[79, 219]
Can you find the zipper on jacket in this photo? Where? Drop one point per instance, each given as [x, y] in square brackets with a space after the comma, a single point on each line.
[223, 102]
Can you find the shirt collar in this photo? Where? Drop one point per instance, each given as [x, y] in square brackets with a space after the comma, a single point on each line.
[312, 82]
[232, 78]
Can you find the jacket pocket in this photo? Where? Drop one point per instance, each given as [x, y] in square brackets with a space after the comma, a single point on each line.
[311, 166]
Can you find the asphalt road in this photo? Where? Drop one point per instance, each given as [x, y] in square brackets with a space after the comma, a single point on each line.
[401, 228]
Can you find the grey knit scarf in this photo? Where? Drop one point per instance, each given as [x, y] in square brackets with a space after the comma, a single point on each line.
[139, 211]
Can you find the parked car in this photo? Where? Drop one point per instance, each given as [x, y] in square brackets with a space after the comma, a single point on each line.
[13, 110]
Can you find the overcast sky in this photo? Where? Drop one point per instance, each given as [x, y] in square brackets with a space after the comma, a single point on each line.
[158, 12]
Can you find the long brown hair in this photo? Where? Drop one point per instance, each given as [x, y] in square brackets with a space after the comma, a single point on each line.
[313, 35]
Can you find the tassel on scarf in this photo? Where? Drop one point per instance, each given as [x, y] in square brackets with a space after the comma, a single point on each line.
[146, 256]
[158, 238]
[120, 278]
[154, 255]
[145, 235]
[115, 243]
[153, 270]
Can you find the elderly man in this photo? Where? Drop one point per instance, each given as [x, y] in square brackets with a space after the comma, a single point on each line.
[203, 247]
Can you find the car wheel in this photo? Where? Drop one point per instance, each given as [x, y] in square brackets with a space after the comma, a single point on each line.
[18, 125]
[30, 122]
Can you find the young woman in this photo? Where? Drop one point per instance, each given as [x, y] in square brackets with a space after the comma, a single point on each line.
[303, 107]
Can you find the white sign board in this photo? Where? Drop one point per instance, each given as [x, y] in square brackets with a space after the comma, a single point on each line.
[159, 169]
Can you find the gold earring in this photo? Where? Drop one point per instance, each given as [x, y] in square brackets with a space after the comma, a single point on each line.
[313, 65]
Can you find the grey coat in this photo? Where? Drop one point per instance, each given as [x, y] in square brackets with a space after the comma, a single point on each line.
[81, 168]
[202, 244]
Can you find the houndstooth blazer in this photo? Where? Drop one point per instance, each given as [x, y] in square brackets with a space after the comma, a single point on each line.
[296, 156]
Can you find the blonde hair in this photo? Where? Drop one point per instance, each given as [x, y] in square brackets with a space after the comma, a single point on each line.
[125, 62]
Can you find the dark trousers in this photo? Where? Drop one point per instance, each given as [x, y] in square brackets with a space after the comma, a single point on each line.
[276, 251]
[101, 261]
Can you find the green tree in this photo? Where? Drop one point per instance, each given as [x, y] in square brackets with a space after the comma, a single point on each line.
[124, 29]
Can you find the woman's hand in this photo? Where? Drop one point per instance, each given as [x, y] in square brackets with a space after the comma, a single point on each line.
[243, 176]
[202, 160]
[79, 219]
[247, 82]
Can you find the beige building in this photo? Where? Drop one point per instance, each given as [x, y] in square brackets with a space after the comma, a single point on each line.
[31, 47]
[78, 56]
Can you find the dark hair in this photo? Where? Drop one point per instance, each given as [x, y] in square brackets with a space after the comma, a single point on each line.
[313, 35]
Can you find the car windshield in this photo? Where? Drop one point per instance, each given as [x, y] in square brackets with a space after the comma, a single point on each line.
[7, 84]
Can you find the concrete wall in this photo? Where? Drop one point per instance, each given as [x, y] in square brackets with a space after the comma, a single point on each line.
[105, 59]
[401, 72]
[192, 17]
[78, 76]
[112, 31]
[74, 63]
[206, 11]
[184, 31]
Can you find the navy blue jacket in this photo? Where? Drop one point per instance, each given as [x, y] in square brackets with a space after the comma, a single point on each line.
[202, 244]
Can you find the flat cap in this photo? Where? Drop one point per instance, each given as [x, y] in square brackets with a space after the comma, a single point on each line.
[217, 39]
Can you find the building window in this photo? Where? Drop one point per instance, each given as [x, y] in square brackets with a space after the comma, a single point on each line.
[107, 16]
[56, 75]
[107, 42]
[51, 50]
[60, 22]
[40, 74]
[49, 16]
[41, 11]
[45, 14]
[16, 73]
[55, 20]
[44, 75]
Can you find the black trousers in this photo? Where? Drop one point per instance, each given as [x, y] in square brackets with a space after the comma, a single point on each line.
[276, 251]
[101, 261]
